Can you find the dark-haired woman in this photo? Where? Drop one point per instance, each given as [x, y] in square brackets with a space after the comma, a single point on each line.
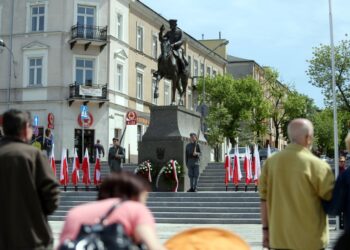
[132, 213]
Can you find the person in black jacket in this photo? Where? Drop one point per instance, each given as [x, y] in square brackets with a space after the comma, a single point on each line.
[193, 152]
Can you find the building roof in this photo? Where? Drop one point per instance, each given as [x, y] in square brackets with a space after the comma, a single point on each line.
[233, 59]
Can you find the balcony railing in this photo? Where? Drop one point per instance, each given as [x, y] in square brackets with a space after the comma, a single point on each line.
[89, 32]
[87, 92]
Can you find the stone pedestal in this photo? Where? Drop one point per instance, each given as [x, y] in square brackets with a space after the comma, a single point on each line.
[167, 136]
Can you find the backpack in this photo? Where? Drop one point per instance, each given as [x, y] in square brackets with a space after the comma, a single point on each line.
[102, 237]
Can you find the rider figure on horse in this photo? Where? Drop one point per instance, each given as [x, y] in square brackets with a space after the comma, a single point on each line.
[175, 37]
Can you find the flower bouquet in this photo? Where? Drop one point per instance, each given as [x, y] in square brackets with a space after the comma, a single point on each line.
[169, 170]
[145, 169]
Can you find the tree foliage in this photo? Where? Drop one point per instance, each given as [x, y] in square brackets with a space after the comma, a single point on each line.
[231, 102]
[320, 72]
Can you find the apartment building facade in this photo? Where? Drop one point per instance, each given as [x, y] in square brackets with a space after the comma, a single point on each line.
[97, 53]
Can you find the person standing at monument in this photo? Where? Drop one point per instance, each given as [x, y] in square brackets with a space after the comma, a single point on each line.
[292, 185]
[193, 153]
[116, 155]
[29, 191]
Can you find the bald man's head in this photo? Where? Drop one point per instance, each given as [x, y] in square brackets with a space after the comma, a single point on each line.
[301, 131]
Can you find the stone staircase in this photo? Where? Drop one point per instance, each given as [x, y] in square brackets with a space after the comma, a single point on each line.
[212, 179]
[211, 205]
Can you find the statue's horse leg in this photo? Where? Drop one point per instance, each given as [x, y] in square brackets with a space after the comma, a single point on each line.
[158, 77]
[183, 78]
[174, 84]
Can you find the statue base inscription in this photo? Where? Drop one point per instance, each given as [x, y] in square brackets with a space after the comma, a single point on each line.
[166, 139]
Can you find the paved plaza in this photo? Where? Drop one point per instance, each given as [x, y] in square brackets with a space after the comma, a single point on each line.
[250, 233]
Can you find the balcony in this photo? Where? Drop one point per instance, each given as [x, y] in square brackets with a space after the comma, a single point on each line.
[88, 35]
[87, 93]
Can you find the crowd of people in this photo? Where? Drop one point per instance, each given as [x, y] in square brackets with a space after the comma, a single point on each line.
[297, 191]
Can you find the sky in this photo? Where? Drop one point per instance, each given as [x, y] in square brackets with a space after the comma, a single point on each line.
[276, 33]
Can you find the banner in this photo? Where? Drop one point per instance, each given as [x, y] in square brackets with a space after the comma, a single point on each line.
[90, 90]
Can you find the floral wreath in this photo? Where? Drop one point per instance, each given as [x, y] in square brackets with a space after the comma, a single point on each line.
[145, 168]
[169, 169]
[172, 170]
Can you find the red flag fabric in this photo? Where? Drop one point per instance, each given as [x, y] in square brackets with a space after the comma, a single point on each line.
[97, 171]
[228, 167]
[247, 167]
[52, 162]
[75, 169]
[86, 169]
[237, 175]
[64, 179]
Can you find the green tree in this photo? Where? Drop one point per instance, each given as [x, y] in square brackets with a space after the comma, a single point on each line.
[231, 100]
[320, 72]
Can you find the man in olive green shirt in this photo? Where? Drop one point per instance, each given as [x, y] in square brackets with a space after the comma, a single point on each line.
[292, 184]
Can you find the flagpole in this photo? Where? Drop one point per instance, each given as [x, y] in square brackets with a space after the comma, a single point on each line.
[335, 116]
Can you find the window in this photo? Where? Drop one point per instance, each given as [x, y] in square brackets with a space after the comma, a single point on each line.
[37, 17]
[120, 26]
[35, 71]
[195, 68]
[166, 93]
[154, 83]
[214, 73]
[208, 71]
[202, 69]
[195, 71]
[139, 85]
[154, 46]
[190, 65]
[190, 101]
[119, 78]
[84, 71]
[86, 21]
[117, 132]
[139, 132]
[139, 42]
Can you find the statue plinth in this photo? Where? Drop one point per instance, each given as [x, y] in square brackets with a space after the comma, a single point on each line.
[167, 136]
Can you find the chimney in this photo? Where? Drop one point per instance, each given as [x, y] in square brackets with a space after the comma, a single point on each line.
[220, 35]
[202, 36]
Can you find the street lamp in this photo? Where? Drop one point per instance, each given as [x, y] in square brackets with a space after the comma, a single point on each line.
[2, 44]
[203, 108]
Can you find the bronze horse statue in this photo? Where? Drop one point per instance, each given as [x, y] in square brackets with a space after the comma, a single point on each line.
[169, 68]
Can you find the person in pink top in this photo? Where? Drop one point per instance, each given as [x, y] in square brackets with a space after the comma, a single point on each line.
[138, 221]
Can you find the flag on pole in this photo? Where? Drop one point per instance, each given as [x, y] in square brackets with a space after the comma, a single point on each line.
[64, 179]
[52, 161]
[247, 166]
[75, 168]
[97, 171]
[237, 175]
[228, 167]
[86, 169]
[268, 151]
[256, 164]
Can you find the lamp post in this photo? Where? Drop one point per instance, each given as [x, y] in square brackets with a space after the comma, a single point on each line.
[335, 116]
[2, 44]
[203, 108]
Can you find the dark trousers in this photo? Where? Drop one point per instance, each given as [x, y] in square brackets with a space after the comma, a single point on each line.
[193, 174]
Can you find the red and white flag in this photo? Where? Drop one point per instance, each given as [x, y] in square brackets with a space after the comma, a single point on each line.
[86, 169]
[75, 169]
[237, 175]
[52, 161]
[247, 166]
[256, 166]
[64, 179]
[228, 170]
[97, 171]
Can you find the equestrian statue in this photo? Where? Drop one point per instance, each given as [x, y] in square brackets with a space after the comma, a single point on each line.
[172, 63]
